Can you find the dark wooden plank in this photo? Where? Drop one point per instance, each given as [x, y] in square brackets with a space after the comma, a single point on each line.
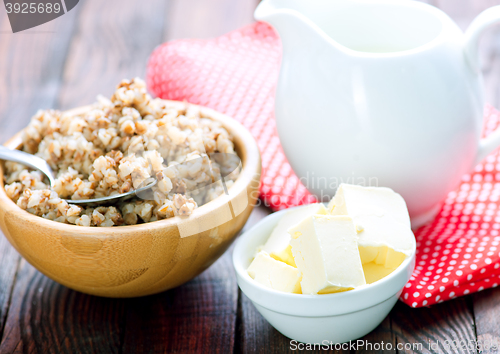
[252, 329]
[434, 329]
[8, 266]
[46, 317]
[487, 316]
[197, 317]
[207, 19]
[112, 41]
[256, 335]
[31, 66]
[382, 337]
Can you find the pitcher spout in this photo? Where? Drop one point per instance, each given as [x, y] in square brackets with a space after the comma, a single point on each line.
[271, 10]
[288, 20]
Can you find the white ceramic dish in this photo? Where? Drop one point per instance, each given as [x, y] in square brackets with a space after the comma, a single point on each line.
[336, 318]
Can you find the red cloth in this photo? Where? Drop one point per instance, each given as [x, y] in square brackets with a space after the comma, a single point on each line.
[457, 254]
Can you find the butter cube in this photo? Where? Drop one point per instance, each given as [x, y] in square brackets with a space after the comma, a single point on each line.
[378, 262]
[382, 255]
[374, 272]
[274, 274]
[380, 215]
[326, 252]
[278, 244]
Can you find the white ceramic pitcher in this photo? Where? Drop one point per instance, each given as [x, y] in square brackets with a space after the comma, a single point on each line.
[377, 92]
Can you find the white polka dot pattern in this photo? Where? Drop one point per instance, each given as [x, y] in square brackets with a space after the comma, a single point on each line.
[457, 254]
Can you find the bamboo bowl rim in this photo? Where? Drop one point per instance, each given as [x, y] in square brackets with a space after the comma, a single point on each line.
[244, 142]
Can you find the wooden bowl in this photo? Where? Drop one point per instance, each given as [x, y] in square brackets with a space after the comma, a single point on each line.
[137, 260]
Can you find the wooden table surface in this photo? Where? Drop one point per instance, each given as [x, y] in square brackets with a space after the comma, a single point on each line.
[66, 63]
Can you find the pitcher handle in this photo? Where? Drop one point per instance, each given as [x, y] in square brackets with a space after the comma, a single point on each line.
[482, 22]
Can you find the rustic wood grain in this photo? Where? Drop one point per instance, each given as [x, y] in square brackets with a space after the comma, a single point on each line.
[112, 42]
[384, 336]
[255, 335]
[201, 315]
[486, 305]
[92, 58]
[30, 72]
[429, 330]
[197, 317]
[9, 259]
[46, 317]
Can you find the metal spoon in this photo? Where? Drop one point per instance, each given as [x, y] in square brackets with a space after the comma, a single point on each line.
[41, 165]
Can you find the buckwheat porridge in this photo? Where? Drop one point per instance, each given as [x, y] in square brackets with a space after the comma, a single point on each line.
[114, 148]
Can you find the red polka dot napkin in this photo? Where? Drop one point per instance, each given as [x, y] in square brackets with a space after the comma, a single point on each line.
[457, 254]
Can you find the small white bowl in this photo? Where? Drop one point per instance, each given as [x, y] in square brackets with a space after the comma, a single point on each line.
[336, 318]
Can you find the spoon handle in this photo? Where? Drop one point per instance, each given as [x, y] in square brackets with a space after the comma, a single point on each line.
[28, 160]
